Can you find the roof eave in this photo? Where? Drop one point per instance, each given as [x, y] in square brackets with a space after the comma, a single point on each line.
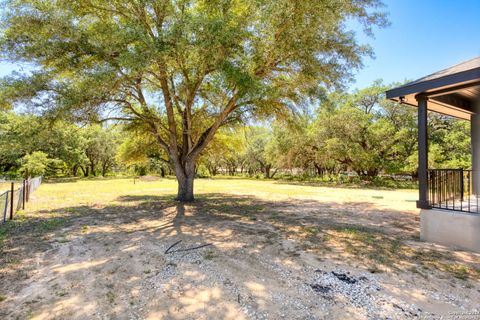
[442, 82]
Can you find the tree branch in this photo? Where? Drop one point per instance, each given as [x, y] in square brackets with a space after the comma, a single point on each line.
[208, 134]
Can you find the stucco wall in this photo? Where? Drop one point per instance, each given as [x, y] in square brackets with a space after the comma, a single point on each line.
[453, 229]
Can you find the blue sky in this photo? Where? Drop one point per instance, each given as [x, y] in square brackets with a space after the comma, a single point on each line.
[425, 36]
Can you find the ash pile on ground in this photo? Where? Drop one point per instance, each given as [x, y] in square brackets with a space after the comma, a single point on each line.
[293, 293]
[363, 292]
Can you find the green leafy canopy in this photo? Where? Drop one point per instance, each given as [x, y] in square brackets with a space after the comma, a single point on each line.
[180, 69]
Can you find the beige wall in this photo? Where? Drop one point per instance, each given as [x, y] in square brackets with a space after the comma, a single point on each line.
[453, 229]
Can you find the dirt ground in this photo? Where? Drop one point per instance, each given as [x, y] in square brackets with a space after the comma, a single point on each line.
[113, 249]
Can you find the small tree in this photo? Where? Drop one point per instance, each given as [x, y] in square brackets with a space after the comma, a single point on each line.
[258, 138]
[100, 149]
[34, 164]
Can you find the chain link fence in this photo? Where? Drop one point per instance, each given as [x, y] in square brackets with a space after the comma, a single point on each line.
[14, 199]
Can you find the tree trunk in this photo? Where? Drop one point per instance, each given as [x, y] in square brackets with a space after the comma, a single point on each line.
[104, 168]
[273, 174]
[212, 170]
[185, 176]
[267, 171]
[75, 170]
[372, 172]
[85, 170]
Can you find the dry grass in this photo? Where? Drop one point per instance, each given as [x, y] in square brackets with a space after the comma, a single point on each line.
[4, 186]
[379, 244]
[374, 230]
[355, 224]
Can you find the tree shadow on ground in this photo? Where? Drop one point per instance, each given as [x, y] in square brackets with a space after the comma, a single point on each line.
[360, 226]
[119, 243]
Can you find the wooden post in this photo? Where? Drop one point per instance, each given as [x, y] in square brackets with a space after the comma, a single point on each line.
[11, 202]
[422, 202]
[27, 190]
[23, 195]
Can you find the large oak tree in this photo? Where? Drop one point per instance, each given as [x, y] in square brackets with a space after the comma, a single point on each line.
[180, 69]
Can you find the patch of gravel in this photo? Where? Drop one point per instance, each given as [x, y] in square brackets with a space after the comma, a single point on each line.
[307, 290]
[362, 291]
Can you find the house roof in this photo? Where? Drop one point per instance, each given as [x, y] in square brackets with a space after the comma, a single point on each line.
[452, 91]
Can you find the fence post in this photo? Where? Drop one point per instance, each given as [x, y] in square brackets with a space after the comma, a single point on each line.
[28, 189]
[23, 195]
[11, 202]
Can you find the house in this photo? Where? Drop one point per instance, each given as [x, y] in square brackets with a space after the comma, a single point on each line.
[448, 198]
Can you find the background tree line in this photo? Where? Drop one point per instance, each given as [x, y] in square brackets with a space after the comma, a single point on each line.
[31, 145]
[359, 132]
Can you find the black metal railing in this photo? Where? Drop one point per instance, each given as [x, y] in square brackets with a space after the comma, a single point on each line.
[451, 189]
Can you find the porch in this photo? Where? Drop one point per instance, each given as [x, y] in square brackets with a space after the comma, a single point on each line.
[451, 189]
[448, 198]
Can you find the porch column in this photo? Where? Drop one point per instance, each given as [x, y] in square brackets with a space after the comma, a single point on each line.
[475, 141]
[422, 154]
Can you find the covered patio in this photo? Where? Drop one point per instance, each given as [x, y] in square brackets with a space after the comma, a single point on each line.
[448, 198]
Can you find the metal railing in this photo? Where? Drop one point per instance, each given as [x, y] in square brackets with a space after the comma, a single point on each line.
[14, 199]
[451, 189]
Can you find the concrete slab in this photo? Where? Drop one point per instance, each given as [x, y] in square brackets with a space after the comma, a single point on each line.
[450, 228]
